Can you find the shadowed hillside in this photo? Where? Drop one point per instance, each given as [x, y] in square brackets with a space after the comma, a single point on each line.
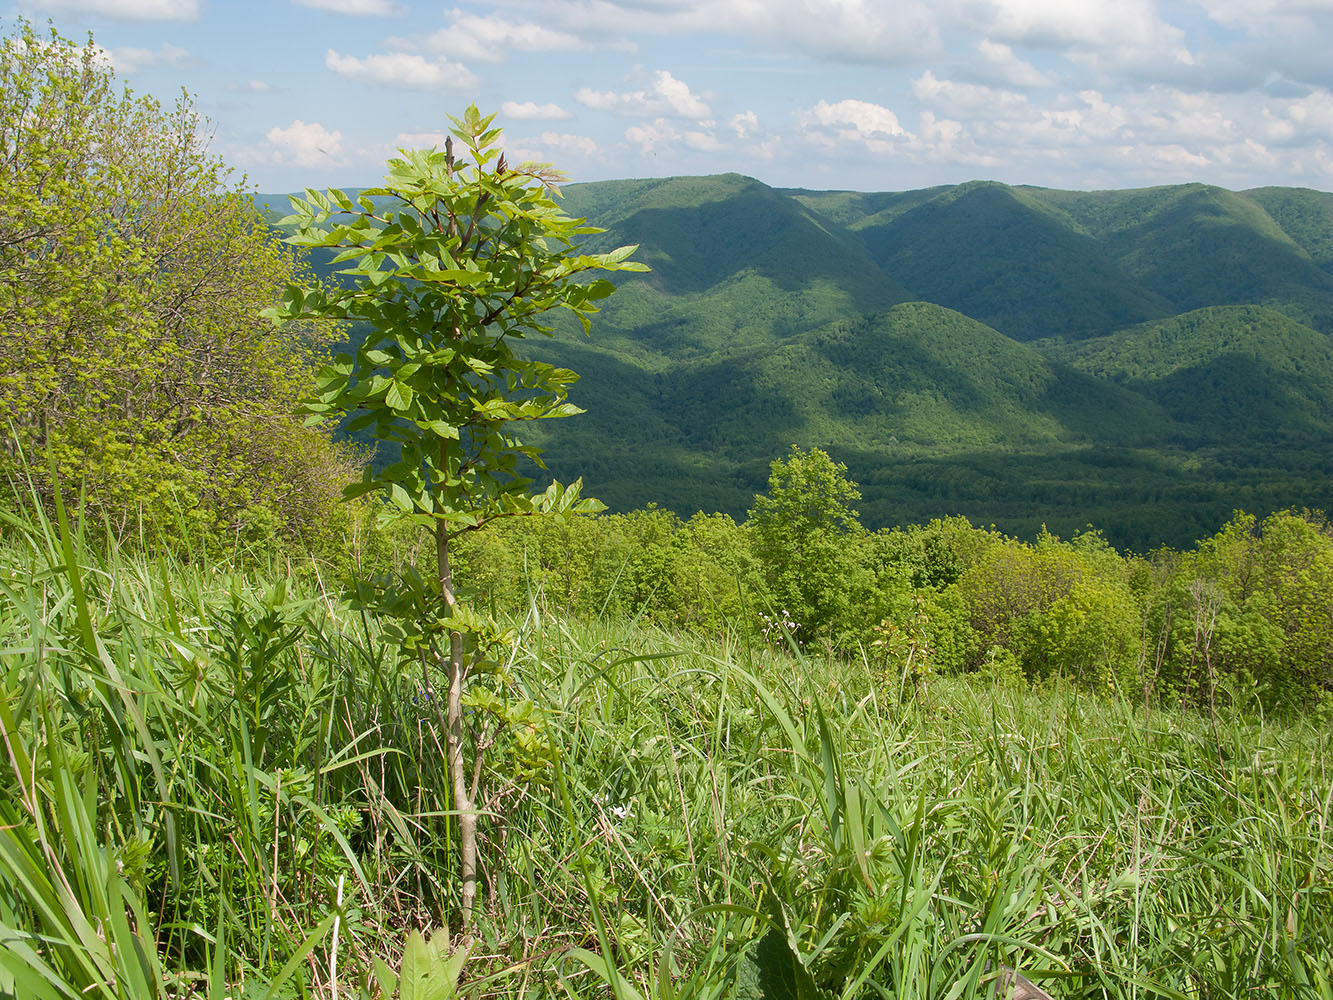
[1144, 360]
[1000, 256]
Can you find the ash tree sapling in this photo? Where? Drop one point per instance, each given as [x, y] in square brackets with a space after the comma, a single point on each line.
[456, 259]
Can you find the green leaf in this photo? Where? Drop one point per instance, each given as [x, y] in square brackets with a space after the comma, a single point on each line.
[400, 498]
[398, 396]
[430, 970]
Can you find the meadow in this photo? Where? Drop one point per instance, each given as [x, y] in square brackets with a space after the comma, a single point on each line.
[226, 783]
[262, 743]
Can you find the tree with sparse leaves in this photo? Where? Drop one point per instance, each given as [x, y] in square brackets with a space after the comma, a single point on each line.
[457, 259]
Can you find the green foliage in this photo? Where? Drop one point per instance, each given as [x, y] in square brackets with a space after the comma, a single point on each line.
[1060, 608]
[453, 260]
[769, 320]
[1225, 373]
[213, 782]
[1247, 616]
[470, 258]
[1061, 280]
[131, 276]
[805, 530]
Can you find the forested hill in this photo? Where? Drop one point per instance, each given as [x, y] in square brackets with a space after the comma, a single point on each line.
[1144, 360]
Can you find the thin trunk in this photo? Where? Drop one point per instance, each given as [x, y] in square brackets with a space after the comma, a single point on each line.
[467, 813]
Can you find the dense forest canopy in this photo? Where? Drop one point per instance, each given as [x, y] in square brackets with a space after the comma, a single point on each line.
[1145, 361]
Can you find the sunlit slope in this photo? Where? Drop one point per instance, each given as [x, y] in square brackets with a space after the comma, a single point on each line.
[1304, 215]
[734, 264]
[918, 380]
[998, 255]
[1197, 246]
[1227, 373]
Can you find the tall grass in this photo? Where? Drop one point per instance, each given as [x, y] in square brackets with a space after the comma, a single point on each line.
[206, 772]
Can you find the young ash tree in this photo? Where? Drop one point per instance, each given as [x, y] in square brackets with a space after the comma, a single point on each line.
[456, 259]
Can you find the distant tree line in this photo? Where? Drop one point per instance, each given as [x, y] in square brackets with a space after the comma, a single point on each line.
[1244, 619]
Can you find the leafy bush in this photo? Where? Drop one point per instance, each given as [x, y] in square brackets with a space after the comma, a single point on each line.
[132, 275]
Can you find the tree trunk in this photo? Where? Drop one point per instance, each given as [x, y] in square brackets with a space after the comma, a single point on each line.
[467, 813]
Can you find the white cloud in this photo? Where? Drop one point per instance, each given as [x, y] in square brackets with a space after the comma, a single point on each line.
[858, 31]
[704, 142]
[532, 111]
[491, 38]
[1175, 155]
[744, 124]
[419, 140]
[1262, 16]
[666, 97]
[403, 70]
[965, 100]
[130, 60]
[1095, 24]
[355, 8]
[1000, 59]
[853, 120]
[1311, 115]
[305, 145]
[128, 10]
[649, 137]
[870, 31]
[554, 146]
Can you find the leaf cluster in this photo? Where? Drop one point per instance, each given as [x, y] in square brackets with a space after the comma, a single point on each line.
[452, 261]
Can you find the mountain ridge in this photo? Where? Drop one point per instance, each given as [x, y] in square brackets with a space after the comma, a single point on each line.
[995, 350]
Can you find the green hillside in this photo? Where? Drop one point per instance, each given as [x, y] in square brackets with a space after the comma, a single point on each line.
[1304, 215]
[735, 263]
[1196, 246]
[1228, 372]
[999, 255]
[1146, 361]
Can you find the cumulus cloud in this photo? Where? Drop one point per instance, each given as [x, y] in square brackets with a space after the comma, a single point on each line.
[667, 97]
[128, 10]
[1310, 117]
[649, 137]
[866, 31]
[532, 111]
[491, 38]
[964, 100]
[702, 141]
[744, 124]
[554, 147]
[1095, 24]
[858, 31]
[1263, 16]
[1001, 62]
[355, 8]
[402, 70]
[419, 140]
[130, 60]
[305, 145]
[853, 120]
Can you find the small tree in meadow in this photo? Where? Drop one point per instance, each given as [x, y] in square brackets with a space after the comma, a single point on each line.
[457, 258]
[806, 535]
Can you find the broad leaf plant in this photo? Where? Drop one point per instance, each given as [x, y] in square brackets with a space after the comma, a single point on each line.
[455, 259]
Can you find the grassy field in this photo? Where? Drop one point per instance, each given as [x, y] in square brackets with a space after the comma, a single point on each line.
[225, 784]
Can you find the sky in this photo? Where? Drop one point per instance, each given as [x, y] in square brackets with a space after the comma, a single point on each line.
[870, 95]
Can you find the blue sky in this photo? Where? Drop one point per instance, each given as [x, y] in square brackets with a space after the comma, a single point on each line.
[863, 94]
